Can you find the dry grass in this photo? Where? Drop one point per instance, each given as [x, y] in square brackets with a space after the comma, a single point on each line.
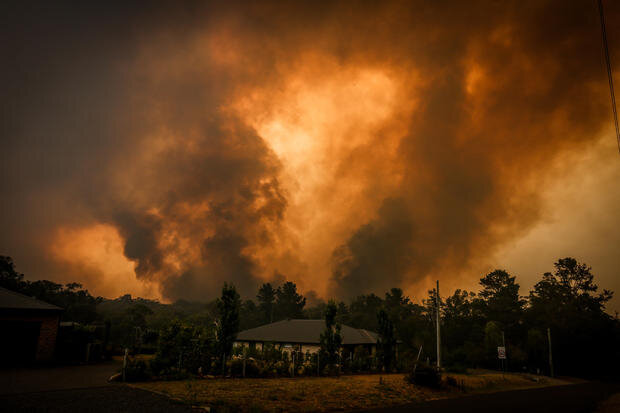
[313, 394]
[610, 405]
[486, 381]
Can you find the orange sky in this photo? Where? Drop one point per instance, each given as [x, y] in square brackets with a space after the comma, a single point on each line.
[348, 147]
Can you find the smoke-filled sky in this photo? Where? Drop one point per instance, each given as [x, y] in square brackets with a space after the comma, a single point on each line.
[163, 149]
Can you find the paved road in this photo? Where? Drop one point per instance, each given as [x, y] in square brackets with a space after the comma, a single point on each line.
[116, 398]
[28, 380]
[77, 389]
[574, 398]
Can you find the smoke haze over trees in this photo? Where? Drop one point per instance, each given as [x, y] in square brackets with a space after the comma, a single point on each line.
[163, 151]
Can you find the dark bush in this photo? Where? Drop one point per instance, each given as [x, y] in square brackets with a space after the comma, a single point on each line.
[332, 370]
[452, 381]
[362, 360]
[173, 374]
[283, 368]
[159, 365]
[457, 368]
[251, 368]
[309, 367]
[136, 370]
[425, 375]
[183, 347]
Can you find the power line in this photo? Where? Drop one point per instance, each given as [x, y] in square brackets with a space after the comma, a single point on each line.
[609, 72]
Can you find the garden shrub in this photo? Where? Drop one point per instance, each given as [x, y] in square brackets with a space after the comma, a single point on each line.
[361, 360]
[332, 370]
[182, 347]
[457, 368]
[425, 375]
[309, 367]
[136, 370]
[251, 367]
[174, 374]
[283, 368]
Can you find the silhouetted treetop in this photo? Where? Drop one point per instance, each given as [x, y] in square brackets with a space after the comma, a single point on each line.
[289, 304]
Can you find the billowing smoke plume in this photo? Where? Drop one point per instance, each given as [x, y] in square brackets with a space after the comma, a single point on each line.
[351, 147]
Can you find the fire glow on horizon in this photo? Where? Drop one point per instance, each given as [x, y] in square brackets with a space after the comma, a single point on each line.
[274, 141]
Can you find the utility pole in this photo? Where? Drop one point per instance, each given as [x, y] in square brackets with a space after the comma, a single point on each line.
[550, 352]
[504, 345]
[438, 336]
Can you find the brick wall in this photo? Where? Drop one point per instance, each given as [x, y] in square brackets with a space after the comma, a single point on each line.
[47, 338]
[46, 344]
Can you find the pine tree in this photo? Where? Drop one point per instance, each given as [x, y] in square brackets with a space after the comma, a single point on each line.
[387, 340]
[331, 338]
[266, 301]
[227, 325]
[289, 304]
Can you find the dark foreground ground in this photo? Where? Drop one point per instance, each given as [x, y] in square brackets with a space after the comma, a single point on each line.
[68, 393]
[30, 380]
[112, 398]
[574, 398]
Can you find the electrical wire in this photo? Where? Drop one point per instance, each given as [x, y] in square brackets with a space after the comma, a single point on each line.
[609, 72]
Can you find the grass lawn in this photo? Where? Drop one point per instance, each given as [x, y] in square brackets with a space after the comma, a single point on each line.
[310, 394]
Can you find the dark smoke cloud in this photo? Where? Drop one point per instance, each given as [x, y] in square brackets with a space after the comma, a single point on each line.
[140, 234]
[538, 101]
[378, 254]
[122, 115]
[79, 121]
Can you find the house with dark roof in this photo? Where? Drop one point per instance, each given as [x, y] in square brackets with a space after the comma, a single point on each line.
[303, 336]
[28, 328]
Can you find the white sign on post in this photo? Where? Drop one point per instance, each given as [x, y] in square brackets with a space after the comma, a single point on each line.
[501, 353]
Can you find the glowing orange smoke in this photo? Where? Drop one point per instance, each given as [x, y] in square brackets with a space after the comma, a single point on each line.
[336, 130]
[97, 251]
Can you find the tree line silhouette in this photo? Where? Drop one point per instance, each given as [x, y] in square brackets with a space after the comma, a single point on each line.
[567, 301]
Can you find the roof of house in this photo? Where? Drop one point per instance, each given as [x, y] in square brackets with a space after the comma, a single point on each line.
[304, 331]
[16, 301]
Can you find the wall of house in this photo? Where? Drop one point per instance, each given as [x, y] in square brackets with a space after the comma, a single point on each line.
[286, 347]
[311, 348]
[45, 335]
[247, 344]
[304, 348]
[47, 338]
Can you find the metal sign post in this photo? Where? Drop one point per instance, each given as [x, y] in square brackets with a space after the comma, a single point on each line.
[550, 352]
[244, 357]
[501, 355]
[125, 363]
[438, 335]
